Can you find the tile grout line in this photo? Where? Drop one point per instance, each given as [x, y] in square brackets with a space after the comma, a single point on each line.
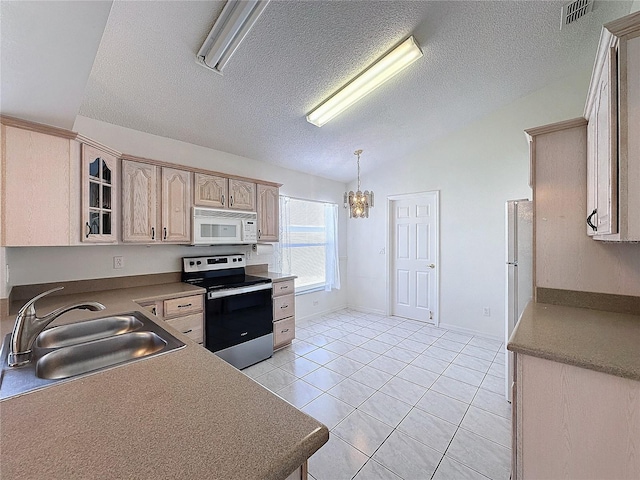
[414, 405]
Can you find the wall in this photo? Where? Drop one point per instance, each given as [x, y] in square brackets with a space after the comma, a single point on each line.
[477, 169]
[635, 6]
[42, 264]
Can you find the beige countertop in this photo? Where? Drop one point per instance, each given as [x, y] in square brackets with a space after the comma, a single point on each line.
[185, 414]
[278, 277]
[602, 341]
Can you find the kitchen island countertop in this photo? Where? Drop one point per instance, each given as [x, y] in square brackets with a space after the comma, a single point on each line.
[185, 414]
[603, 341]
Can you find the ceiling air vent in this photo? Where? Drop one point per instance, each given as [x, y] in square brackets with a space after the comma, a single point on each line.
[571, 12]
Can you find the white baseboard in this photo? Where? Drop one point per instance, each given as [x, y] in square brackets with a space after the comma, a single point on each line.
[469, 331]
[366, 310]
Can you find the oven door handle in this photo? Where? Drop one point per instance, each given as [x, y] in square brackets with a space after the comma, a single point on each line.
[238, 291]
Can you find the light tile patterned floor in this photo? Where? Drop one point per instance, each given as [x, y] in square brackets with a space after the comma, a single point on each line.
[402, 399]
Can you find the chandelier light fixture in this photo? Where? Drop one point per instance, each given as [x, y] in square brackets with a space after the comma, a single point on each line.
[371, 78]
[358, 203]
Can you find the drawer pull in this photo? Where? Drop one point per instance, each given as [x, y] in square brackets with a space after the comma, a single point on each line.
[284, 287]
[188, 331]
[284, 306]
[243, 334]
[284, 331]
[185, 305]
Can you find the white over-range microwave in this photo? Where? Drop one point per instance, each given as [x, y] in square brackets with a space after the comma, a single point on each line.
[212, 226]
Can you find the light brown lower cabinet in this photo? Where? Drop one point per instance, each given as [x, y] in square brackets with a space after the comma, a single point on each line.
[185, 314]
[299, 473]
[571, 422]
[284, 313]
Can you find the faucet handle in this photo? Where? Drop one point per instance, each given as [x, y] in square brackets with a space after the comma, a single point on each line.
[30, 305]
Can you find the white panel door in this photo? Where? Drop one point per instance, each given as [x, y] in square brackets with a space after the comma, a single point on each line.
[414, 234]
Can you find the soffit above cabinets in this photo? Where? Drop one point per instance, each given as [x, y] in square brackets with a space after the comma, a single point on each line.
[478, 57]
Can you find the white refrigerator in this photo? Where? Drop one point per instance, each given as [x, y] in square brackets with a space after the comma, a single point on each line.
[519, 272]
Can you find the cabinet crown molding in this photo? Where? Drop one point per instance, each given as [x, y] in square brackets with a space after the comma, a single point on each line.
[37, 127]
[134, 158]
[555, 127]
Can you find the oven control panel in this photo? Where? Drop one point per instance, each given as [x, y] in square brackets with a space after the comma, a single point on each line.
[217, 262]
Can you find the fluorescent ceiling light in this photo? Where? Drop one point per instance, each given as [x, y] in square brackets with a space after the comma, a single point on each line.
[375, 75]
[232, 25]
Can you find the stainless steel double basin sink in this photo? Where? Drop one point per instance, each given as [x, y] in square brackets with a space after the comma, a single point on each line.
[70, 351]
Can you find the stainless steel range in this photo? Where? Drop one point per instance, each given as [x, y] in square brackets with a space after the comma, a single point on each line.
[238, 312]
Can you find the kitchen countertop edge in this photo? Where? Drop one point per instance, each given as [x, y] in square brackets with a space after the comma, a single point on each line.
[606, 342]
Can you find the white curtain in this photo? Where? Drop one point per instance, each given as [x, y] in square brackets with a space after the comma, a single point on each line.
[332, 269]
[283, 254]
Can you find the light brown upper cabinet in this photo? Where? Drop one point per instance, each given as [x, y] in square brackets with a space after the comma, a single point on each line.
[268, 213]
[210, 191]
[36, 185]
[222, 192]
[176, 205]
[613, 143]
[99, 195]
[144, 218]
[139, 190]
[242, 195]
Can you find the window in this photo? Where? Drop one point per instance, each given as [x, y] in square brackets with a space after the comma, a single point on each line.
[308, 243]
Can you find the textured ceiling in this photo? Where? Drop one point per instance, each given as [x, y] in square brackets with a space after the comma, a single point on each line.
[478, 56]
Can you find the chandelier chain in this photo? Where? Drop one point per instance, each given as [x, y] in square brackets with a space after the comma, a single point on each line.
[358, 152]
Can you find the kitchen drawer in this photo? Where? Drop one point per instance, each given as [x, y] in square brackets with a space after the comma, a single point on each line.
[182, 306]
[283, 288]
[284, 331]
[154, 308]
[190, 325]
[284, 307]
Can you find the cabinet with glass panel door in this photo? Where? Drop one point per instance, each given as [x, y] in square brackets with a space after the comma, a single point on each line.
[99, 195]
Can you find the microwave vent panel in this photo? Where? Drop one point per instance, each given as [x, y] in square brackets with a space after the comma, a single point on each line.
[214, 213]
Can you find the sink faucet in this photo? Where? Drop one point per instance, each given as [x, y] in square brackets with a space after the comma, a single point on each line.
[28, 326]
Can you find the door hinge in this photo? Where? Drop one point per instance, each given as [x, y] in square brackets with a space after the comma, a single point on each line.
[430, 315]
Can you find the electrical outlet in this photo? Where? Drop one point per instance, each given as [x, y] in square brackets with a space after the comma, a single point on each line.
[118, 262]
[7, 277]
[382, 251]
[486, 311]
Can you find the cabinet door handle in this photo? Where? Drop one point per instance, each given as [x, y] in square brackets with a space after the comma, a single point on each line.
[188, 331]
[259, 233]
[284, 331]
[153, 233]
[222, 200]
[590, 223]
[154, 310]
[185, 305]
[165, 233]
[284, 306]
[88, 230]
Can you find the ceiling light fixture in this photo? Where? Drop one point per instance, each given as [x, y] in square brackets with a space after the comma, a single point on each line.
[235, 21]
[358, 203]
[375, 75]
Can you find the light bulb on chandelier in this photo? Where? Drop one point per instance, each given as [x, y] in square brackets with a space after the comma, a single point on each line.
[358, 202]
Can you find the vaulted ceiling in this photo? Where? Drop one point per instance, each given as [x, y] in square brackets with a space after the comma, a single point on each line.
[132, 63]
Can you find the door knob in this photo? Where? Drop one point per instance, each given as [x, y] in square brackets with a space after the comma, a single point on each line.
[432, 265]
